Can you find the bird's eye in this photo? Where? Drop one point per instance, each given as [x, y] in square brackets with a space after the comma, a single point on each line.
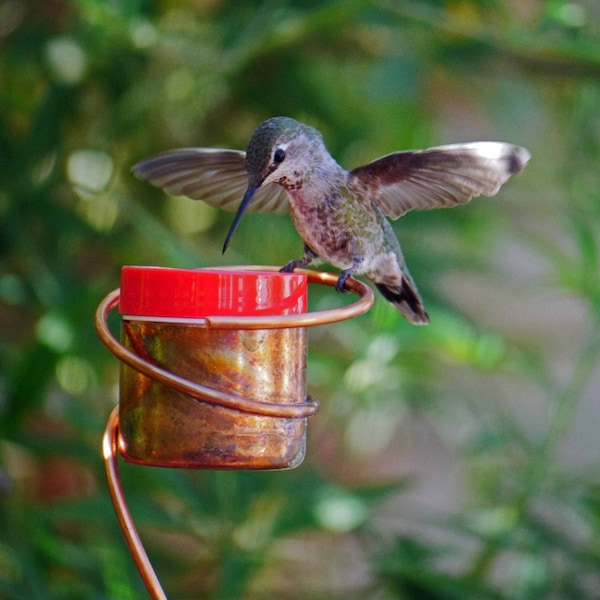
[279, 155]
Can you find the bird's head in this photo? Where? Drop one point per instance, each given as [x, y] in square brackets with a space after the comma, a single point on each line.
[283, 151]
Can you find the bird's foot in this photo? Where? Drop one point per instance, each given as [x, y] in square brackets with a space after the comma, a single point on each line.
[341, 281]
[307, 259]
[289, 267]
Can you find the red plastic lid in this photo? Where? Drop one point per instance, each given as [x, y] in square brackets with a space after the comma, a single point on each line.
[198, 293]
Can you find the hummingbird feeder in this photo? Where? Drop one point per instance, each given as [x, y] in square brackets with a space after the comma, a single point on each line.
[213, 366]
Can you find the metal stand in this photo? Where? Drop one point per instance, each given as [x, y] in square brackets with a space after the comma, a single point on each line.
[109, 452]
[206, 394]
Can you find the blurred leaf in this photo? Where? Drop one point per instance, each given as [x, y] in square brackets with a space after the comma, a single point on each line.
[457, 461]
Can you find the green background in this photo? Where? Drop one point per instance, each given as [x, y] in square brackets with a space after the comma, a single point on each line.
[454, 461]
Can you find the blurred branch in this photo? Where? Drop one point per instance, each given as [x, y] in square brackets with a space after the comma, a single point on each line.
[534, 51]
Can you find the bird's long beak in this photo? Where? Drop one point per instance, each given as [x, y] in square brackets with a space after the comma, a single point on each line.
[252, 189]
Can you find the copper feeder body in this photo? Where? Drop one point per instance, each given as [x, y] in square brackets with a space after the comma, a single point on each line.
[221, 392]
[164, 427]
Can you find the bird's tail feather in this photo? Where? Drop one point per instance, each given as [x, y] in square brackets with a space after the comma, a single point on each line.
[406, 299]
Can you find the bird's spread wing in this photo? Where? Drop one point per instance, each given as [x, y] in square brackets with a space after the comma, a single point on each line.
[440, 176]
[218, 177]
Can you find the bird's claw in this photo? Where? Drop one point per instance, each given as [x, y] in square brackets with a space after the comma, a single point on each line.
[341, 282]
[289, 267]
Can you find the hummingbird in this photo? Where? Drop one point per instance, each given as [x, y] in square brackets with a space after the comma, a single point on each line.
[339, 214]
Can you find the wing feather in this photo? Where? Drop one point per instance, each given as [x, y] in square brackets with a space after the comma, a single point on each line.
[215, 176]
[442, 176]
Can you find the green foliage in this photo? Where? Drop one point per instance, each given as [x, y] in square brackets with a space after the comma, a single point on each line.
[454, 461]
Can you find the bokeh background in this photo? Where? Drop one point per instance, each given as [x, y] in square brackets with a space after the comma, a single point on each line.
[461, 460]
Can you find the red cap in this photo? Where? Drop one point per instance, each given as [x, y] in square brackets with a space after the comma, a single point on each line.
[199, 293]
